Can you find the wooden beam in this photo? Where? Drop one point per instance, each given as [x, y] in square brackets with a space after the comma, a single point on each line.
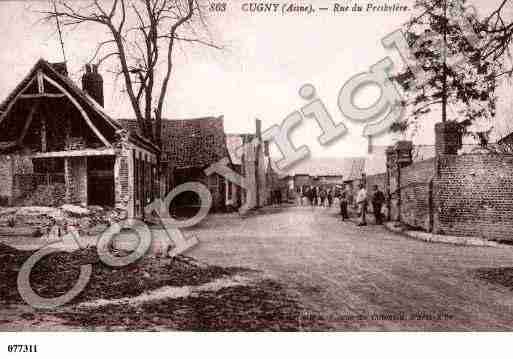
[80, 109]
[13, 101]
[27, 123]
[75, 153]
[7, 144]
[40, 82]
[42, 95]
[43, 134]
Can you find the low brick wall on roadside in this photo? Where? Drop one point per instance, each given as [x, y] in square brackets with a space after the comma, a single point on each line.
[473, 196]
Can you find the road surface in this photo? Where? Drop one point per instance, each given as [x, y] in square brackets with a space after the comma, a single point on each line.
[363, 277]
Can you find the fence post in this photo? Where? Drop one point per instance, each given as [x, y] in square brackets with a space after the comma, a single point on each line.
[399, 217]
[430, 204]
[389, 165]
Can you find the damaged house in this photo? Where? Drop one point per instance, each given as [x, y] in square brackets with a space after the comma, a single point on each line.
[189, 146]
[57, 145]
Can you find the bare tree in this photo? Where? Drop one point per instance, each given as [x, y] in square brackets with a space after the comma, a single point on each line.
[142, 38]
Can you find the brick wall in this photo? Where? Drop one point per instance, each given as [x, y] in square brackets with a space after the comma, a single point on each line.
[474, 196]
[121, 182]
[470, 195]
[461, 195]
[416, 192]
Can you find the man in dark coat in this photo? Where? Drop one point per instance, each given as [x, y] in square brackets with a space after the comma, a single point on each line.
[343, 206]
[330, 197]
[315, 195]
[378, 198]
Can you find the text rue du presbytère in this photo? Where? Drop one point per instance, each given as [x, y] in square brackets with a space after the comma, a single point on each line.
[338, 7]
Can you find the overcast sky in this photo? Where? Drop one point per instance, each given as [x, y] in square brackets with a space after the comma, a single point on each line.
[266, 60]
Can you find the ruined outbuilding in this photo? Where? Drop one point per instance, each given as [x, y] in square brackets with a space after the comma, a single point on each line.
[58, 146]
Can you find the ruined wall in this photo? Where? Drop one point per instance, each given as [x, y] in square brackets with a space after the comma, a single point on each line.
[263, 187]
[15, 177]
[250, 173]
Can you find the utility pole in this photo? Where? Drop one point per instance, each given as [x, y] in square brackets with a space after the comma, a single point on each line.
[444, 54]
[258, 130]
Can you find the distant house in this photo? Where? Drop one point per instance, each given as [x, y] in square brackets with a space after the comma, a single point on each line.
[325, 171]
[58, 146]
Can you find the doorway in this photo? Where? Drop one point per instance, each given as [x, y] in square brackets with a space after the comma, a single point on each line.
[100, 181]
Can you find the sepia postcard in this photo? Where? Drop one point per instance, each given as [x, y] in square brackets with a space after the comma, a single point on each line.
[254, 166]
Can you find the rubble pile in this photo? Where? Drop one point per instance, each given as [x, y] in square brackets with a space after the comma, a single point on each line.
[45, 195]
[39, 220]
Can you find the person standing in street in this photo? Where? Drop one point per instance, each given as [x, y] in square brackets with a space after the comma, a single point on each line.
[315, 194]
[330, 197]
[378, 198]
[322, 195]
[310, 195]
[343, 206]
[361, 202]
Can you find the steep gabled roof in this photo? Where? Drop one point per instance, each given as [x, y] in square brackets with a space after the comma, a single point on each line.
[196, 142]
[75, 91]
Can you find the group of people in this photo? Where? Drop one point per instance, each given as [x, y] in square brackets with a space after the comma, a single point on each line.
[377, 199]
[324, 196]
[318, 196]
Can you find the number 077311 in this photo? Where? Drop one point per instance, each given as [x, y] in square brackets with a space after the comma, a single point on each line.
[22, 348]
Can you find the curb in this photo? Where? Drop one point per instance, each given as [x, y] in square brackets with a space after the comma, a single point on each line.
[397, 227]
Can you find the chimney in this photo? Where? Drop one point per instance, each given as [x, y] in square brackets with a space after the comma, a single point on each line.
[447, 138]
[404, 153]
[258, 129]
[92, 83]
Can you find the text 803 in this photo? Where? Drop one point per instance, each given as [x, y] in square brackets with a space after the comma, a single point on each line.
[218, 6]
